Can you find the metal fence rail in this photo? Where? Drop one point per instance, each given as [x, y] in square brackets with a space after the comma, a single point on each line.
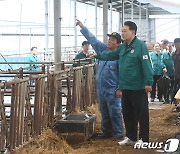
[36, 102]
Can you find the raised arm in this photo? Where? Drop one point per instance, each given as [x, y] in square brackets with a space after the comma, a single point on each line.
[97, 45]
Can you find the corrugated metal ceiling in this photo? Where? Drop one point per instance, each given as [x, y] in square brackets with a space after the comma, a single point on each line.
[117, 6]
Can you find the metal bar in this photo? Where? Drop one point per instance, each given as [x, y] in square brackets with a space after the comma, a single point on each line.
[132, 10]
[139, 19]
[51, 85]
[22, 104]
[119, 23]
[96, 18]
[122, 13]
[147, 25]
[16, 102]
[41, 102]
[36, 109]
[179, 27]
[45, 113]
[4, 128]
[128, 1]
[57, 33]
[69, 101]
[75, 27]
[12, 117]
[27, 63]
[18, 114]
[110, 17]
[29, 125]
[105, 20]
[46, 28]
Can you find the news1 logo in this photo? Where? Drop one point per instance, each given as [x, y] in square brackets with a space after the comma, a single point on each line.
[171, 145]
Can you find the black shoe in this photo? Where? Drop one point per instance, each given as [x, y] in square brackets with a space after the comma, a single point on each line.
[161, 100]
[117, 139]
[152, 99]
[104, 136]
[167, 101]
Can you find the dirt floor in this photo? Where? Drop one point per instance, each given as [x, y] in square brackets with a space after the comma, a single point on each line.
[162, 126]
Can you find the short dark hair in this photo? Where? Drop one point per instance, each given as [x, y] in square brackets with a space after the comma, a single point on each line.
[176, 40]
[131, 25]
[156, 43]
[33, 48]
[85, 42]
[165, 41]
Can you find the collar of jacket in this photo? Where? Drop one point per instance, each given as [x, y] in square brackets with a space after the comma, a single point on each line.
[130, 47]
[160, 53]
[127, 46]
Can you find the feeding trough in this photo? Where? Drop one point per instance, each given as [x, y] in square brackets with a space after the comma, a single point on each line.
[79, 123]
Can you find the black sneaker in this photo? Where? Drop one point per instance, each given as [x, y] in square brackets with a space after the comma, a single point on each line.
[167, 101]
[103, 136]
[152, 99]
[161, 100]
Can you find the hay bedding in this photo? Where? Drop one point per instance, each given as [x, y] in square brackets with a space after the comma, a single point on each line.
[162, 127]
[48, 143]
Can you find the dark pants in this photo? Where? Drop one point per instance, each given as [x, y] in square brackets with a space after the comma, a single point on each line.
[135, 110]
[175, 89]
[153, 93]
[168, 93]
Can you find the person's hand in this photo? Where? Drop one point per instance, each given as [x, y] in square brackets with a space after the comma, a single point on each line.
[148, 88]
[93, 55]
[118, 93]
[79, 23]
[164, 70]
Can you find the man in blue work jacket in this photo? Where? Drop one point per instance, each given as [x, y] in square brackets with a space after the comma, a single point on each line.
[107, 83]
[135, 80]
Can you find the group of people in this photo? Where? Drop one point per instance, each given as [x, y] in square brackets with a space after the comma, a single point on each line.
[124, 77]
[126, 73]
[166, 70]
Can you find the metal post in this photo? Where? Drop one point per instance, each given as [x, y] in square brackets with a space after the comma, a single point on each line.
[179, 27]
[75, 29]
[119, 23]
[20, 24]
[105, 20]
[122, 13]
[147, 25]
[132, 10]
[96, 18]
[46, 29]
[30, 38]
[139, 20]
[110, 17]
[57, 33]
[57, 48]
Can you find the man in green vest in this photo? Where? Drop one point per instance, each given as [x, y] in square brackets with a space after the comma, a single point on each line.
[33, 58]
[135, 80]
[84, 52]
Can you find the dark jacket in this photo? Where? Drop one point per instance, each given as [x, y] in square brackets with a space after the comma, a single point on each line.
[176, 58]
